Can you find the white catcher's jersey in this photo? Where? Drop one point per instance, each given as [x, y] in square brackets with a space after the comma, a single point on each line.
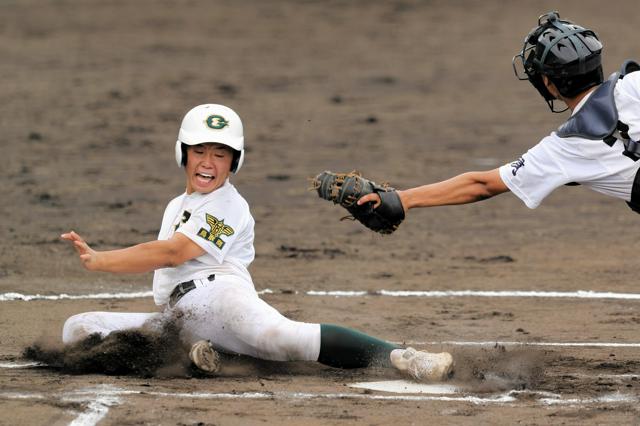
[220, 222]
[557, 161]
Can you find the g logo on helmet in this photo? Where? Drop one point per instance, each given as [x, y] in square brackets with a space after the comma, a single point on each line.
[216, 122]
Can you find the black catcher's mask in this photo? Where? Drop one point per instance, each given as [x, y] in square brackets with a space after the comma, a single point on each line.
[568, 54]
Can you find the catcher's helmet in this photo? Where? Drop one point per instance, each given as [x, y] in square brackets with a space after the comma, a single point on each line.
[568, 54]
[211, 123]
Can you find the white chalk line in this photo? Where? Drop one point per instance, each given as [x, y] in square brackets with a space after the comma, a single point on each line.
[20, 364]
[623, 376]
[611, 398]
[490, 343]
[100, 399]
[97, 409]
[580, 294]
[9, 297]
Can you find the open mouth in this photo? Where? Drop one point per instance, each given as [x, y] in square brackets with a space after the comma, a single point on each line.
[204, 177]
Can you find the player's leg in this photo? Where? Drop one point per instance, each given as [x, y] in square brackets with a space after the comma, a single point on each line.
[347, 348]
[236, 320]
[231, 315]
[344, 347]
[82, 325]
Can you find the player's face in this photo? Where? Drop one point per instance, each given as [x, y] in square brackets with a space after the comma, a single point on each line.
[208, 166]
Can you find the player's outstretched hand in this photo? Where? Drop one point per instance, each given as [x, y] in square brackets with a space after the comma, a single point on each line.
[88, 256]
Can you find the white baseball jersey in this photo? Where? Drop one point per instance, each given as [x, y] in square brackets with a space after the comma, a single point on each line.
[556, 161]
[226, 311]
[220, 222]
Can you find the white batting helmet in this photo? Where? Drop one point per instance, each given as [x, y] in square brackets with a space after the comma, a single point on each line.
[215, 124]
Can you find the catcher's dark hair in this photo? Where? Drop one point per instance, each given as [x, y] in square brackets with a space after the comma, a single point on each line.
[234, 161]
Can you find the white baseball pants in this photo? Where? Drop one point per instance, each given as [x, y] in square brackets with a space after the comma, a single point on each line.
[227, 312]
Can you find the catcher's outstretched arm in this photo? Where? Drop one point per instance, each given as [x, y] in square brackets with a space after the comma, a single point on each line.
[462, 189]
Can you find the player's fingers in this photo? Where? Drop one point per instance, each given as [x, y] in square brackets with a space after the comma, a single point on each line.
[81, 246]
[75, 236]
[373, 197]
[70, 236]
[78, 247]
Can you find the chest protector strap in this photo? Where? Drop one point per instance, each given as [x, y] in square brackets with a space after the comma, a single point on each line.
[598, 120]
[598, 117]
[634, 204]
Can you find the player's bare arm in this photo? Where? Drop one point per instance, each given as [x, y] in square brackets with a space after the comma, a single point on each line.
[144, 257]
[462, 189]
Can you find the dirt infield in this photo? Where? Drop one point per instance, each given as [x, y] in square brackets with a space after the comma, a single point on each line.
[406, 92]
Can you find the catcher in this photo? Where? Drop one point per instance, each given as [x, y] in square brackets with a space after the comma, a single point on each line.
[598, 146]
[200, 259]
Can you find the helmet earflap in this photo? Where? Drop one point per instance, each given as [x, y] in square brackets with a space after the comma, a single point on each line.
[238, 159]
[181, 155]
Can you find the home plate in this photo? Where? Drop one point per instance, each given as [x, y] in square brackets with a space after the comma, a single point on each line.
[404, 386]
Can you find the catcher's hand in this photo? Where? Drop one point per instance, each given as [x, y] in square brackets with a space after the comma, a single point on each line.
[346, 188]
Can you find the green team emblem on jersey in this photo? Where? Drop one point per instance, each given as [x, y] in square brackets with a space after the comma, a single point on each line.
[218, 228]
[216, 122]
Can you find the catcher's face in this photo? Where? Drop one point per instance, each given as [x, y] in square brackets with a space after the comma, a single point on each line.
[208, 167]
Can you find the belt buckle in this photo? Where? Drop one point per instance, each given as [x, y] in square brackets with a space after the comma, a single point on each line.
[183, 288]
[179, 291]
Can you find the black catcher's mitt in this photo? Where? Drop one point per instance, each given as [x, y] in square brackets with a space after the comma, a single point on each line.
[346, 188]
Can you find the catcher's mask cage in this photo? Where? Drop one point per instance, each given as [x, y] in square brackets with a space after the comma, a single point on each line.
[568, 54]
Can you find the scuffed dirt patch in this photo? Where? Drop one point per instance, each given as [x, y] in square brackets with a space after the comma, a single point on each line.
[144, 352]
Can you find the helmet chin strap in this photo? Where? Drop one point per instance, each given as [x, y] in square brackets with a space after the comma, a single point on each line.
[552, 107]
[551, 102]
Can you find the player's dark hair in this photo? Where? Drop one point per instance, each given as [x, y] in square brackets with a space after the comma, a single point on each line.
[235, 160]
[568, 54]
[184, 147]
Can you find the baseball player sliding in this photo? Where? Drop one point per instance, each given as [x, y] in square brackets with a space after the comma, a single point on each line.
[598, 146]
[200, 259]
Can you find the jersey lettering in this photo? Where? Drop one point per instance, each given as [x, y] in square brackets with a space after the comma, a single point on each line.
[185, 217]
[516, 165]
